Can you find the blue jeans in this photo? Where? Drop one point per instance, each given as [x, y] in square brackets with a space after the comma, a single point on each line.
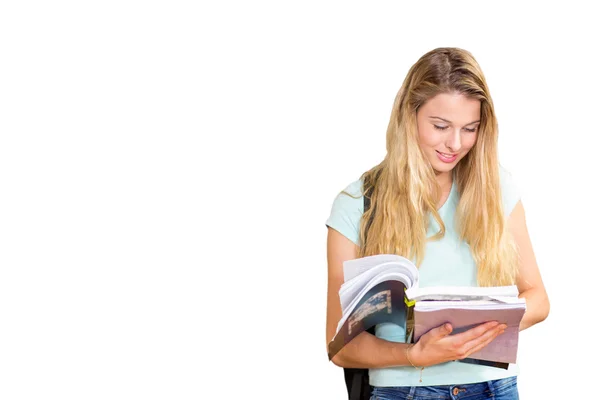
[500, 389]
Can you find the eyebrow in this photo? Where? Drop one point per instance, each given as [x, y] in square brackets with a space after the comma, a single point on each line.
[445, 120]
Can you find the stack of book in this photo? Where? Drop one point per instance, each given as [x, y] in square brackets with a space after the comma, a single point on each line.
[385, 288]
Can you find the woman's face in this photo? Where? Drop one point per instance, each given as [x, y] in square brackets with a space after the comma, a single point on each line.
[448, 125]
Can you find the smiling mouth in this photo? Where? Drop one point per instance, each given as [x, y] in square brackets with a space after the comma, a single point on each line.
[447, 158]
[447, 155]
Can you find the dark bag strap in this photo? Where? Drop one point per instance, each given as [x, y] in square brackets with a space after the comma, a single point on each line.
[357, 379]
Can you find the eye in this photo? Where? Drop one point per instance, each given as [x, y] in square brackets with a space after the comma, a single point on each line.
[440, 128]
[471, 129]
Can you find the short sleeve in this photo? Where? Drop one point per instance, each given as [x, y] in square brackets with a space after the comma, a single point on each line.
[346, 211]
[511, 193]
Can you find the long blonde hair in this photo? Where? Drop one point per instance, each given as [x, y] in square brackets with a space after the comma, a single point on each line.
[403, 190]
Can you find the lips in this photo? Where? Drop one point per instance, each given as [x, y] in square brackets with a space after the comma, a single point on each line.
[446, 157]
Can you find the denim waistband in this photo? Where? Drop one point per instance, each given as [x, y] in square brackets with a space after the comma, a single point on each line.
[506, 387]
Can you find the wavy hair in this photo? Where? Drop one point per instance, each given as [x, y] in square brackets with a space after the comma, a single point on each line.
[403, 190]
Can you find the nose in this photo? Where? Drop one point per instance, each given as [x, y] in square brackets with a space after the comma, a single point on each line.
[453, 140]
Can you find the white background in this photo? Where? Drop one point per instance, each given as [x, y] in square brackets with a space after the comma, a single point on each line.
[166, 169]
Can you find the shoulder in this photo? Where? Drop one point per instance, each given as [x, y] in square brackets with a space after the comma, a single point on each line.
[509, 188]
[346, 211]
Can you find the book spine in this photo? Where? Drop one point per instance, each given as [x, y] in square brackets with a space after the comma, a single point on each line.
[410, 319]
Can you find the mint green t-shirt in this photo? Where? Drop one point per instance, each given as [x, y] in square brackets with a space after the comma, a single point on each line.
[447, 262]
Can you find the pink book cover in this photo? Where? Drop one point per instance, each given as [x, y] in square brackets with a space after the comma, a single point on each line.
[502, 349]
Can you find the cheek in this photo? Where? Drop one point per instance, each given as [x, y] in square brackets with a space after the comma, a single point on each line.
[428, 137]
[469, 142]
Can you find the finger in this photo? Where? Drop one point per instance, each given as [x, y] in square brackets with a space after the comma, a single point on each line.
[441, 331]
[476, 332]
[485, 339]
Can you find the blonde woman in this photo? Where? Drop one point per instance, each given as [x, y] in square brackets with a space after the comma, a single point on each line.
[440, 198]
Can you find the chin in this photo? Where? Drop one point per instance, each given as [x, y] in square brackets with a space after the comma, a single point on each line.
[441, 167]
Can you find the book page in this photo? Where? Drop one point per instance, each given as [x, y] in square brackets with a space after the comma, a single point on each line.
[427, 305]
[351, 296]
[351, 288]
[462, 292]
[353, 268]
[383, 303]
[502, 349]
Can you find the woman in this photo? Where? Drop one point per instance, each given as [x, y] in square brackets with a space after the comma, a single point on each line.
[440, 198]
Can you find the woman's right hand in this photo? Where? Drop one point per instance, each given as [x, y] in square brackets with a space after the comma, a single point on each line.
[438, 346]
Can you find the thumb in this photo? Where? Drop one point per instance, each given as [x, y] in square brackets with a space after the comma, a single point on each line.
[443, 330]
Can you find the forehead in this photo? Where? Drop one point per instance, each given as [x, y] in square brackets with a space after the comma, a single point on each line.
[454, 107]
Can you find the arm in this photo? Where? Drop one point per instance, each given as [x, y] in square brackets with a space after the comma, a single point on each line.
[529, 280]
[365, 350]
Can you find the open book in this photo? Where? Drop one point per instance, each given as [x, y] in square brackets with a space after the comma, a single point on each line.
[385, 288]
